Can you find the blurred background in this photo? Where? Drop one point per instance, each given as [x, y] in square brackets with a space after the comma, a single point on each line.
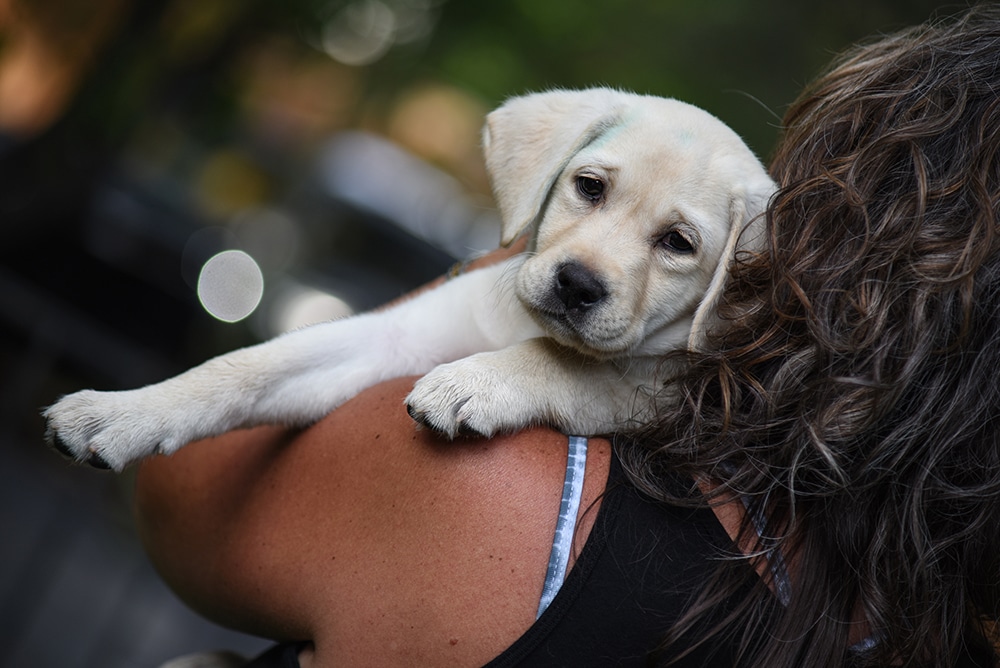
[182, 177]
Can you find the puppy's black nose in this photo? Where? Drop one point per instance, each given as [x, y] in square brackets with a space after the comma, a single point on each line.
[577, 287]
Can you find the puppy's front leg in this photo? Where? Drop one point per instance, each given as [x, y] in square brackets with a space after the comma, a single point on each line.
[534, 382]
[294, 379]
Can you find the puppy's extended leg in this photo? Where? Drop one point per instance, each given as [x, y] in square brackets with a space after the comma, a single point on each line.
[296, 378]
[534, 382]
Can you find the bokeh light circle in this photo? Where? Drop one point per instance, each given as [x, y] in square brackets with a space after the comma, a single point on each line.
[230, 285]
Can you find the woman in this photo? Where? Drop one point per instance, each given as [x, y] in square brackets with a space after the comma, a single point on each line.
[853, 397]
[831, 475]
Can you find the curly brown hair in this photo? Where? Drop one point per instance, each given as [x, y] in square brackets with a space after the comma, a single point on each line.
[855, 392]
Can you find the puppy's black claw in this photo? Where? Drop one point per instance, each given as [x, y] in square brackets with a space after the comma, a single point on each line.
[465, 430]
[419, 418]
[98, 462]
[59, 446]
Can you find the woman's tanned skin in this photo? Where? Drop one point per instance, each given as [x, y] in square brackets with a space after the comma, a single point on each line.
[375, 539]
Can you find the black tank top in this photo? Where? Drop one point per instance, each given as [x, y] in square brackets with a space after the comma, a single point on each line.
[641, 567]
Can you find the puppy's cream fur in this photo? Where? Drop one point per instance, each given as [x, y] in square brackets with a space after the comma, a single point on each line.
[567, 334]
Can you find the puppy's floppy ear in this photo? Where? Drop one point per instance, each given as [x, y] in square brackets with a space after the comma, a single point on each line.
[529, 141]
[746, 233]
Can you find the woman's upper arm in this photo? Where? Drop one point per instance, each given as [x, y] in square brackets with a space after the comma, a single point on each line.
[360, 525]
[193, 511]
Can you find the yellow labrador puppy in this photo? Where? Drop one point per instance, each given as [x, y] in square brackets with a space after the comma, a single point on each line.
[636, 206]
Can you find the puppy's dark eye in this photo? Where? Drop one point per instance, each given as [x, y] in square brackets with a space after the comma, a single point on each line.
[590, 188]
[677, 242]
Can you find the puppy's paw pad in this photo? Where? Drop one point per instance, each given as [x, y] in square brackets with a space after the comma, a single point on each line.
[107, 430]
[458, 399]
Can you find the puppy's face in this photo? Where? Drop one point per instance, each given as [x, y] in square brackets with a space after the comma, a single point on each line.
[634, 227]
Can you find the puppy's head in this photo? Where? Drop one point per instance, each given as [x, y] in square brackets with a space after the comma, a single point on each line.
[637, 206]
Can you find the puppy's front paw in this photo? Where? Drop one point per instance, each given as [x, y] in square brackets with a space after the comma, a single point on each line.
[105, 429]
[467, 397]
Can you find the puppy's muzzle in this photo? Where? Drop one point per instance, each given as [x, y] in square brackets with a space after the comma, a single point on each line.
[578, 288]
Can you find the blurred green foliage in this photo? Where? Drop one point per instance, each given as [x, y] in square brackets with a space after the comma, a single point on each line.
[743, 60]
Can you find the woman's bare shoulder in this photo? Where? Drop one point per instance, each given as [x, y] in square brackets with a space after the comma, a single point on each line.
[363, 527]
